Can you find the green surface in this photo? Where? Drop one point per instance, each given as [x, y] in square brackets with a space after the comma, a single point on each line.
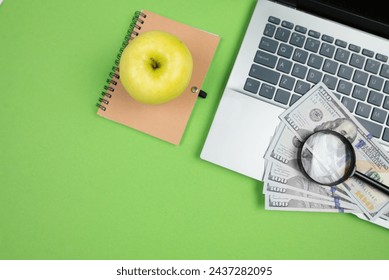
[74, 185]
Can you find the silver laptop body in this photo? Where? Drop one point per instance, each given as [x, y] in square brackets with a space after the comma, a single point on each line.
[244, 123]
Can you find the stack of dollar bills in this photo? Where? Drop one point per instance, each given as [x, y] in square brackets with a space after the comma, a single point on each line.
[287, 188]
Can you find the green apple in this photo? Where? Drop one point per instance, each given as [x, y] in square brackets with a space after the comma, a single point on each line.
[155, 67]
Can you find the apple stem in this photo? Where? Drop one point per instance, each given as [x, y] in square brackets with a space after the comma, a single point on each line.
[154, 63]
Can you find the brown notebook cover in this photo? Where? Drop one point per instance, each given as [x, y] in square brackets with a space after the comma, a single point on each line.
[165, 121]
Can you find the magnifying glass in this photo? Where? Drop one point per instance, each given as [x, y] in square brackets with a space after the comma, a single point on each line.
[328, 158]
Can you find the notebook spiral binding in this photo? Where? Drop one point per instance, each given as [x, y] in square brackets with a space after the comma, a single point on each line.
[109, 87]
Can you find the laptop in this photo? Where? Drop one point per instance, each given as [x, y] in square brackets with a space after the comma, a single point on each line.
[288, 47]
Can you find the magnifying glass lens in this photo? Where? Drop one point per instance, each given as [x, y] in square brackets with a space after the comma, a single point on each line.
[327, 158]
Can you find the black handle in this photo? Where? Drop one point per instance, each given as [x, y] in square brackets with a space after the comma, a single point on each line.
[372, 182]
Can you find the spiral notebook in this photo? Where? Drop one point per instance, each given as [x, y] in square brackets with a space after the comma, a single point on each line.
[165, 121]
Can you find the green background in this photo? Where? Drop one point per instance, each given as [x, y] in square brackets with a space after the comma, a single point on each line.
[74, 185]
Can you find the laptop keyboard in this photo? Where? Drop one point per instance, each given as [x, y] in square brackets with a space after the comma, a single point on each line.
[291, 58]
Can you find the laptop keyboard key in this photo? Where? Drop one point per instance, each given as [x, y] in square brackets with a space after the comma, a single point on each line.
[264, 74]
[327, 50]
[354, 48]
[349, 103]
[282, 34]
[360, 77]
[294, 98]
[315, 61]
[265, 58]
[314, 33]
[363, 110]
[330, 81]
[344, 87]
[357, 60]
[360, 93]
[372, 66]
[385, 71]
[297, 39]
[342, 55]
[368, 53]
[300, 56]
[345, 72]
[341, 43]
[270, 29]
[267, 91]
[386, 103]
[301, 87]
[287, 24]
[385, 137]
[327, 38]
[301, 29]
[386, 87]
[274, 20]
[299, 71]
[312, 45]
[374, 128]
[330, 66]
[251, 85]
[268, 44]
[287, 82]
[379, 115]
[282, 96]
[314, 76]
[284, 65]
[375, 82]
[285, 50]
[381, 57]
[375, 98]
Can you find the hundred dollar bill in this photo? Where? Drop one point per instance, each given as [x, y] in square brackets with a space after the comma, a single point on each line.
[273, 202]
[319, 109]
[288, 182]
[290, 192]
[385, 216]
[283, 147]
[379, 221]
[275, 188]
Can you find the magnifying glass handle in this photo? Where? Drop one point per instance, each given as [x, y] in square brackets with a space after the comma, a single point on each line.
[372, 182]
